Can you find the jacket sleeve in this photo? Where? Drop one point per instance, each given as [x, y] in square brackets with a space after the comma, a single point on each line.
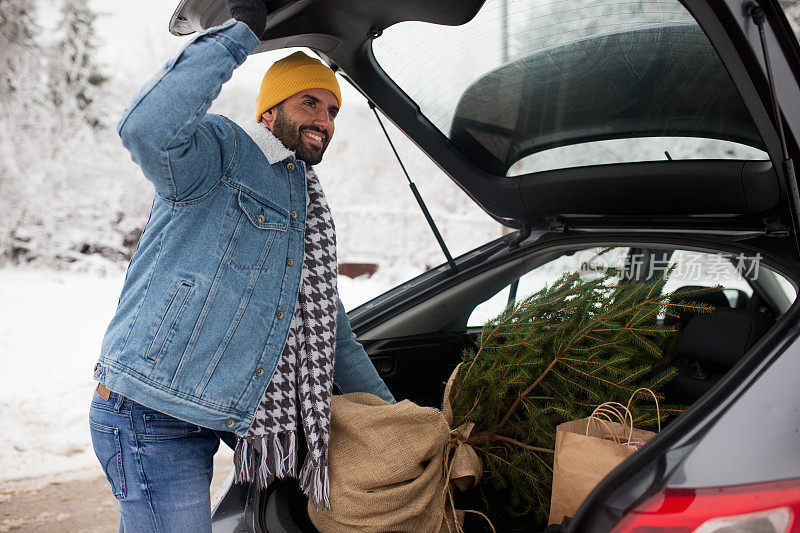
[163, 126]
[352, 369]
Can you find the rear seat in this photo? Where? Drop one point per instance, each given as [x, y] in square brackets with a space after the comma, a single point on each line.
[712, 344]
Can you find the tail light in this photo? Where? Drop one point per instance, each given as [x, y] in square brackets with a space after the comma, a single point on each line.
[760, 508]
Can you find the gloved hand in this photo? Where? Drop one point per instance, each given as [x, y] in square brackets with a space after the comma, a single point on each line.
[251, 12]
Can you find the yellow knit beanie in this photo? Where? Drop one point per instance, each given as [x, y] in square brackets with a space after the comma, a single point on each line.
[291, 75]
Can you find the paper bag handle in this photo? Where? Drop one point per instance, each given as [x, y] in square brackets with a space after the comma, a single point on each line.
[615, 411]
[608, 412]
[653, 394]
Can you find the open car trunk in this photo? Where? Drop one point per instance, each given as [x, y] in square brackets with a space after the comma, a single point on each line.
[416, 362]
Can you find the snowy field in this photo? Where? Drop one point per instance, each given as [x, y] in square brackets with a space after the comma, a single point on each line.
[51, 326]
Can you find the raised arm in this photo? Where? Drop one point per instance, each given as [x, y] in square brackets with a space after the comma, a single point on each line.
[164, 128]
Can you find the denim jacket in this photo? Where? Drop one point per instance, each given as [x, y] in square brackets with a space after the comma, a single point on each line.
[205, 309]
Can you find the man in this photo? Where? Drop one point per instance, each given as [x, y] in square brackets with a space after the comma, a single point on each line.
[229, 317]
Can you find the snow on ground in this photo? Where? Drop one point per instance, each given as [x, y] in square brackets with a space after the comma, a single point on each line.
[51, 326]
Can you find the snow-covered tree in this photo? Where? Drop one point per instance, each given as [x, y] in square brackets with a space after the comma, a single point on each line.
[17, 45]
[75, 75]
[20, 76]
[57, 203]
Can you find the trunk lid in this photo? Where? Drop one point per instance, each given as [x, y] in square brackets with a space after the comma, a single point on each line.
[590, 115]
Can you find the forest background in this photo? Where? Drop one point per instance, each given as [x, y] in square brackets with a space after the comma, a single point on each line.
[70, 197]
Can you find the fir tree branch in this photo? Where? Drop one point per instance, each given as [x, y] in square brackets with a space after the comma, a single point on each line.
[607, 382]
[636, 374]
[696, 307]
[603, 345]
[515, 467]
[525, 393]
[665, 377]
[519, 444]
[607, 363]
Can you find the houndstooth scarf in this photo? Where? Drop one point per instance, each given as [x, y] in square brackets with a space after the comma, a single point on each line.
[303, 377]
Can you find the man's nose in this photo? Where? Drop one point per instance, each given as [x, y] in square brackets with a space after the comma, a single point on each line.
[323, 120]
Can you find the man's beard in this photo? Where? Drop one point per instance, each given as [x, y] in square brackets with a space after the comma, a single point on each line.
[290, 133]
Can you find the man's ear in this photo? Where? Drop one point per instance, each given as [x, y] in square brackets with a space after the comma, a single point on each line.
[268, 117]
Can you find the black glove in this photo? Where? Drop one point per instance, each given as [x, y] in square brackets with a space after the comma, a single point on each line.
[251, 12]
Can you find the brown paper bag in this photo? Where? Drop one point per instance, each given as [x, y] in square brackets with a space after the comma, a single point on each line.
[586, 451]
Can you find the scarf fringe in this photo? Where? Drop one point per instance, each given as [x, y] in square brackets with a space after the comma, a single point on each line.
[243, 461]
[315, 483]
[266, 458]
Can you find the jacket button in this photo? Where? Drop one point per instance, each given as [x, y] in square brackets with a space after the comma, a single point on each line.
[289, 261]
[294, 214]
[229, 423]
[290, 166]
[261, 219]
[279, 314]
[259, 371]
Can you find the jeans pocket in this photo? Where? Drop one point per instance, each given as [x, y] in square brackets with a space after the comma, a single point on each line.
[159, 426]
[108, 449]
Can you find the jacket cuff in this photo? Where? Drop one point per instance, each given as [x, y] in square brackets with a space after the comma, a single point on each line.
[237, 35]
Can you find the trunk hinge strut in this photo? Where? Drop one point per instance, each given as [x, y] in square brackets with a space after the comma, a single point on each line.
[524, 233]
[759, 16]
[418, 196]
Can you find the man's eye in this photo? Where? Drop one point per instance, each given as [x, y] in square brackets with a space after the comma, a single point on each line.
[310, 103]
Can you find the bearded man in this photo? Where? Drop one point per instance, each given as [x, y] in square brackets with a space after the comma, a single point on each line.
[229, 318]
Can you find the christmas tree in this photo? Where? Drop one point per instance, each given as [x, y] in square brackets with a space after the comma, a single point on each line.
[555, 356]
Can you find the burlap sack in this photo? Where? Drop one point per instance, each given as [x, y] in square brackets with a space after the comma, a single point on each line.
[582, 460]
[388, 465]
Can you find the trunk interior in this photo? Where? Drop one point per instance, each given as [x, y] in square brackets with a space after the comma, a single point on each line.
[416, 343]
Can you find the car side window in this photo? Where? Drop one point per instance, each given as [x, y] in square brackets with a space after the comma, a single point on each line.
[587, 260]
[705, 269]
[689, 268]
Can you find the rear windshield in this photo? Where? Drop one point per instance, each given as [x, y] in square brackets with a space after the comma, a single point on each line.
[611, 80]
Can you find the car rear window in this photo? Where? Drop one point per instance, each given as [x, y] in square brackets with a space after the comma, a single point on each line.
[533, 85]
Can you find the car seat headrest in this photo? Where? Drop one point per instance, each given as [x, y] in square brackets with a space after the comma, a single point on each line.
[717, 299]
[721, 337]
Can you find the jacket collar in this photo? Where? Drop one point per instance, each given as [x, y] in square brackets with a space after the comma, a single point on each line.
[271, 146]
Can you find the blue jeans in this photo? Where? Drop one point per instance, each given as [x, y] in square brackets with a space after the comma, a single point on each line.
[159, 467]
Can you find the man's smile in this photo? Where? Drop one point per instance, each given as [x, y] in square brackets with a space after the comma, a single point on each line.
[315, 137]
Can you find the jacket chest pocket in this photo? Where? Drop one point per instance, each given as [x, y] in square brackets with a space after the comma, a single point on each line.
[257, 224]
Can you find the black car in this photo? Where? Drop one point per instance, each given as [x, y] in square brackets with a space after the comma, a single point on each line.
[662, 129]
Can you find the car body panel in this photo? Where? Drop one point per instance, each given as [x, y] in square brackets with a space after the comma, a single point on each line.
[764, 424]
